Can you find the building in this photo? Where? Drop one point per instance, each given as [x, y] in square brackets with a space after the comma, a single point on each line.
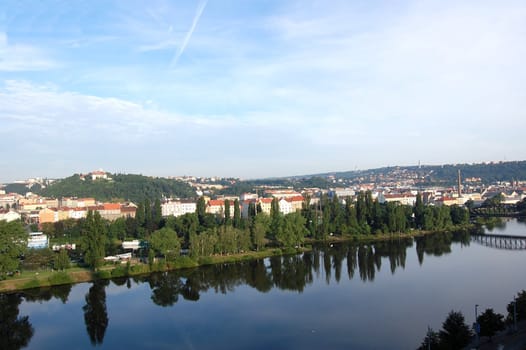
[37, 240]
[8, 200]
[178, 208]
[342, 193]
[99, 174]
[47, 215]
[402, 198]
[247, 196]
[9, 215]
[282, 193]
[285, 207]
[217, 207]
[296, 203]
[265, 204]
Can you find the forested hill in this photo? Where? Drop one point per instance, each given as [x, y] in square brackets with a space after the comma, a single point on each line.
[445, 174]
[135, 188]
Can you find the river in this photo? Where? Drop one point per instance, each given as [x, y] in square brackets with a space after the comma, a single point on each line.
[345, 296]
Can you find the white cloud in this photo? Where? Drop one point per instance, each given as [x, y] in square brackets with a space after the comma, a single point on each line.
[340, 81]
[20, 57]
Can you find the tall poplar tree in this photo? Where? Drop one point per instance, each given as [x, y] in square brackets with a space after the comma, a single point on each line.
[237, 214]
[94, 240]
[201, 210]
[228, 220]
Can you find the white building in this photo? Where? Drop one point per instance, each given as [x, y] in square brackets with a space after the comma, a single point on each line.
[37, 240]
[178, 208]
[9, 216]
[285, 207]
[402, 198]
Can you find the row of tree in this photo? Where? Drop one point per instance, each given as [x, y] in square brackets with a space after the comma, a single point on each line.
[205, 234]
[456, 334]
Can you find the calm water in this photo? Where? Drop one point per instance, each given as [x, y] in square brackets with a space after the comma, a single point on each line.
[380, 296]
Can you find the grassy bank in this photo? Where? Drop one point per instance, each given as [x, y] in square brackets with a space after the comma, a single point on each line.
[46, 278]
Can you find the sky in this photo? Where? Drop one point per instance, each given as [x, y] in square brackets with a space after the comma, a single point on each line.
[258, 88]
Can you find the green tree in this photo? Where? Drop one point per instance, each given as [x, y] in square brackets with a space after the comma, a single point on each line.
[165, 241]
[148, 217]
[260, 225]
[228, 219]
[48, 228]
[140, 215]
[61, 261]
[459, 215]
[203, 244]
[520, 299]
[94, 240]
[117, 229]
[13, 243]
[201, 210]
[237, 214]
[490, 323]
[431, 341]
[292, 233]
[157, 214]
[275, 219]
[418, 210]
[455, 333]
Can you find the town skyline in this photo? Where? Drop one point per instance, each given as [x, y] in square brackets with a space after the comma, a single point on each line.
[88, 173]
[270, 89]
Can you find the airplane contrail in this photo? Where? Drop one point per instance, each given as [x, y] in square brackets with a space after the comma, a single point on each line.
[200, 8]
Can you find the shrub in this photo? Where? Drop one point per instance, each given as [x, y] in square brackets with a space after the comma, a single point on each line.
[103, 274]
[60, 278]
[119, 271]
[34, 283]
[205, 260]
[184, 262]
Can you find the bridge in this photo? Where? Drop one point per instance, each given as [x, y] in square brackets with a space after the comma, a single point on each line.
[510, 242]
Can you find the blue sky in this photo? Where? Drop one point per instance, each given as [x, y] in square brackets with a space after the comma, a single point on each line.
[258, 88]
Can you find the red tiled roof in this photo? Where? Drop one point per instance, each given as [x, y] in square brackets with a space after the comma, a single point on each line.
[128, 209]
[112, 206]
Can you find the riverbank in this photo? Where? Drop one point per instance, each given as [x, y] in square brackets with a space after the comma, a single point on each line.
[48, 278]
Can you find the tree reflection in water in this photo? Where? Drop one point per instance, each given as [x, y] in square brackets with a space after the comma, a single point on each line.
[15, 332]
[95, 313]
[296, 272]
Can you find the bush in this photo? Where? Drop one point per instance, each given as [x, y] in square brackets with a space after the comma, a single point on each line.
[138, 269]
[103, 274]
[119, 271]
[34, 283]
[205, 260]
[184, 262]
[289, 250]
[60, 278]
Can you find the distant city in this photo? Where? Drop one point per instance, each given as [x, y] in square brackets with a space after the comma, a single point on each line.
[394, 184]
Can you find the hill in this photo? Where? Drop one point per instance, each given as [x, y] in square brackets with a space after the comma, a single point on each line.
[441, 174]
[135, 188]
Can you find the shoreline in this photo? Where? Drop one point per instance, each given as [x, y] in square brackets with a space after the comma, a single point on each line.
[48, 278]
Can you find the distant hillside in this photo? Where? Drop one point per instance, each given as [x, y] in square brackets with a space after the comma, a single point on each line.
[447, 174]
[127, 187]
